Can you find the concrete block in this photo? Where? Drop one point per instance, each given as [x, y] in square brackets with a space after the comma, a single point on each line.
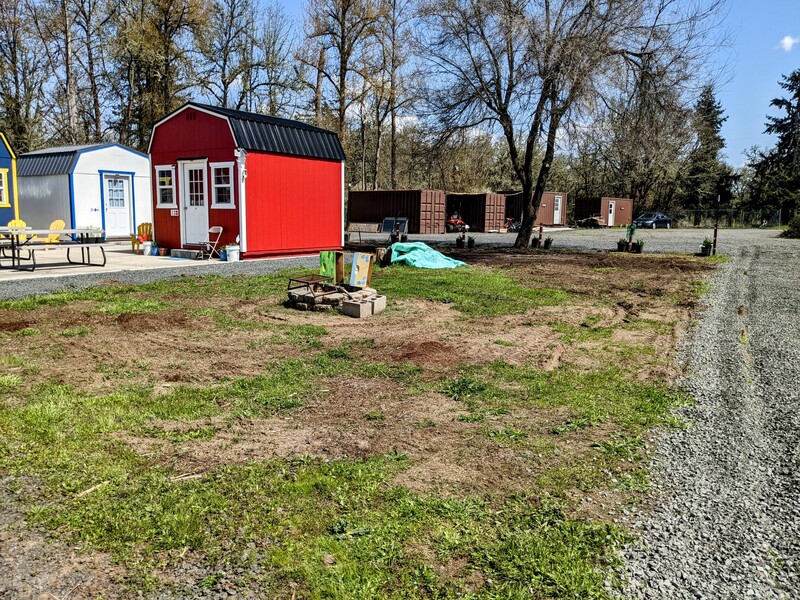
[183, 253]
[357, 309]
[378, 304]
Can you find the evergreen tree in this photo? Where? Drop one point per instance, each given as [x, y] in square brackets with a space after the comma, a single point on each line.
[706, 176]
[776, 172]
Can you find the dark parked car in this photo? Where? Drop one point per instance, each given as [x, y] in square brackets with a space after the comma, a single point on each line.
[652, 220]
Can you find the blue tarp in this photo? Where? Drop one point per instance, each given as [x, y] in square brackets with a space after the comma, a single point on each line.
[417, 254]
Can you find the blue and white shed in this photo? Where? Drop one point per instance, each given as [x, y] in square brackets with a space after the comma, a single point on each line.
[99, 185]
[8, 182]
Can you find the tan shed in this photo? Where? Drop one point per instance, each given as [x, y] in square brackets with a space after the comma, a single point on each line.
[611, 212]
[552, 210]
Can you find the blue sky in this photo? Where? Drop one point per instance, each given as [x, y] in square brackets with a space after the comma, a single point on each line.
[764, 44]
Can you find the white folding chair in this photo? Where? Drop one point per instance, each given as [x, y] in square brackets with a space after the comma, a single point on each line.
[209, 246]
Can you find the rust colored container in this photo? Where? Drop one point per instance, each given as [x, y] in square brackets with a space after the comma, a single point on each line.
[482, 212]
[613, 212]
[552, 210]
[424, 208]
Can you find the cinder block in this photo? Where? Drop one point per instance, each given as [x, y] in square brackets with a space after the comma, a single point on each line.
[378, 304]
[357, 309]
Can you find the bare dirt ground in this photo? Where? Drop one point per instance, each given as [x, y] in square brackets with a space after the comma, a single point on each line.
[183, 345]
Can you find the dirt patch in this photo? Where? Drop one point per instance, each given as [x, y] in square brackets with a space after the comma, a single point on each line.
[642, 301]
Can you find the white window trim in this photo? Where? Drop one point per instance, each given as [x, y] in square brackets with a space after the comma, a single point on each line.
[159, 187]
[214, 203]
[5, 200]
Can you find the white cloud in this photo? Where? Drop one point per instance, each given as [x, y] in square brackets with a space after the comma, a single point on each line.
[789, 42]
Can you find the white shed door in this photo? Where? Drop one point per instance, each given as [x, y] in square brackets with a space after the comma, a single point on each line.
[117, 194]
[194, 199]
[611, 208]
[557, 210]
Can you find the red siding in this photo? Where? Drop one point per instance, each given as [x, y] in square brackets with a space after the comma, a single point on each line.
[293, 204]
[192, 134]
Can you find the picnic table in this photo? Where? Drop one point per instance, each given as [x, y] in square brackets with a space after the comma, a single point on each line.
[19, 244]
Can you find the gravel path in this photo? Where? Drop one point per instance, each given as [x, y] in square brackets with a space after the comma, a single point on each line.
[726, 489]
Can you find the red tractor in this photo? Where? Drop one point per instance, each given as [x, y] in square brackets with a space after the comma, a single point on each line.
[455, 223]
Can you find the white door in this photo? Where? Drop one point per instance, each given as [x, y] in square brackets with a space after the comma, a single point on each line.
[117, 195]
[557, 210]
[611, 208]
[194, 200]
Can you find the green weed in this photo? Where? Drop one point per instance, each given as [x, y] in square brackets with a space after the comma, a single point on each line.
[9, 382]
[472, 291]
[76, 332]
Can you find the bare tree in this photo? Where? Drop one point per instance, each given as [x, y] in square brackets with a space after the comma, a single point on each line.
[341, 27]
[276, 46]
[22, 77]
[227, 50]
[527, 66]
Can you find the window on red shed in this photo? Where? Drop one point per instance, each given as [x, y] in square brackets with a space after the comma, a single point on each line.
[165, 183]
[222, 185]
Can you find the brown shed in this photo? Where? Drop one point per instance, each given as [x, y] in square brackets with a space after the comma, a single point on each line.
[613, 212]
[552, 210]
[424, 208]
[482, 212]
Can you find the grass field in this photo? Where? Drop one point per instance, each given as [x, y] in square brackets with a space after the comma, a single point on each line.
[475, 440]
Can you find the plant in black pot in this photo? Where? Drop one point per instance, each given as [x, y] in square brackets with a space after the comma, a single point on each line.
[622, 245]
[548, 241]
[705, 247]
[637, 246]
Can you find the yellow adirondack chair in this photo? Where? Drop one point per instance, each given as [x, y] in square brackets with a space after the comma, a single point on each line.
[144, 230]
[52, 238]
[19, 223]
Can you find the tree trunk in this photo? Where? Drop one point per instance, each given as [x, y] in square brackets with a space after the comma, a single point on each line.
[72, 98]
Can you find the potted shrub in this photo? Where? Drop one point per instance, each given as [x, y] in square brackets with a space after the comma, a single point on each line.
[637, 246]
[548, 241]
[622, 244]
[705, 248]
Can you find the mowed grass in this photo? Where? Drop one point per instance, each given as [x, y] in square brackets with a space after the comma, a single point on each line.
[333, 528]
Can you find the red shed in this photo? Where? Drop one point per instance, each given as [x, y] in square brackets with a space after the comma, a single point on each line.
[276, 184]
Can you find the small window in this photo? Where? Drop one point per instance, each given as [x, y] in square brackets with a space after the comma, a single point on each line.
[165, 183]
[4, 201]
[222, 185]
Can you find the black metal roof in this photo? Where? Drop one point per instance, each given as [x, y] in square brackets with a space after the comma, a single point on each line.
[51, 161]
[252, 131]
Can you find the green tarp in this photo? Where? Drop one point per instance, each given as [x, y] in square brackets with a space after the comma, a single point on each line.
[417, 254]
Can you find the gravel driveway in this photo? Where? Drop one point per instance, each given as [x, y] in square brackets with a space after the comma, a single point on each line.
[726, 522]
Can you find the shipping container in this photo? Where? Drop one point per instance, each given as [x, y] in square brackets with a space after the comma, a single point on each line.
[423, 208]
[482, 212]
[552, 210]
[611, 212]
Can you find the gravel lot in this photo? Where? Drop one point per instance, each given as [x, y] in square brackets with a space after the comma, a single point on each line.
[726, 517]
